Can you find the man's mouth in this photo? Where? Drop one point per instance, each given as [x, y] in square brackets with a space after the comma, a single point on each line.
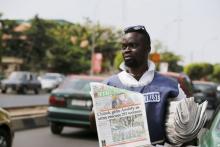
[127, 57]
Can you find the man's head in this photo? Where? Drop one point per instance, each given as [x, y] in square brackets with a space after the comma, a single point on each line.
[135, 46]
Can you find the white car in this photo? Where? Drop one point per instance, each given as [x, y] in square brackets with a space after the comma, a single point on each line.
[50, 81]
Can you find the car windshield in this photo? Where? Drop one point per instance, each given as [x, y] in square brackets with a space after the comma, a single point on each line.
[77, 84]
[17, 76]
[205, 87]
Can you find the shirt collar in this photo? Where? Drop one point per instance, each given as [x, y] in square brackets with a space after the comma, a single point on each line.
[146, 78]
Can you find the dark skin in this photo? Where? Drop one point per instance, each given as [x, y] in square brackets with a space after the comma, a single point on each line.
[135, 51]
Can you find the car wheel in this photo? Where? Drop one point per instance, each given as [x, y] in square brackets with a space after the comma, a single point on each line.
[4, 90]
[5, 140]
[56, 128]
[36, 91]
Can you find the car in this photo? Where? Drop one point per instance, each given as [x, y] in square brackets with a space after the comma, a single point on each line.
[206, 90]
[21, 82]
[184, 81]
[1, 76]
[70, 104]
[50, 81]
[6, 129]
[211, 136]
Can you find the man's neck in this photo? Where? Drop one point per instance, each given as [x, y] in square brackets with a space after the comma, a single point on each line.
[138, 72]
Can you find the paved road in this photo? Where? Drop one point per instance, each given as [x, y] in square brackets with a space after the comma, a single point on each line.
[14, 100]
[41, 137]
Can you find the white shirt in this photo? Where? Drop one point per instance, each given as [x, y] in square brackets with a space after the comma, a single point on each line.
[128, 80]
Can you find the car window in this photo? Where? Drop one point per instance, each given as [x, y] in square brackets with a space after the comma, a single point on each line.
[17, 76]
[77, 84]
[204, 87]
[50, 77]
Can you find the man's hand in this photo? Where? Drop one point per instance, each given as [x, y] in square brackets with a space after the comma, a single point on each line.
[92, 121]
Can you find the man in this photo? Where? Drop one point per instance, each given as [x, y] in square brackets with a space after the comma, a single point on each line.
[138, 74]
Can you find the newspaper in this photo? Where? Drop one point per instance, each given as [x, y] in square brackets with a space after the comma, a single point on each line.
[184, 120]
[120, 117]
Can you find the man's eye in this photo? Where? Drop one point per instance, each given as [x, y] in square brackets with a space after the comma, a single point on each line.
[133, 45]
[123, 46]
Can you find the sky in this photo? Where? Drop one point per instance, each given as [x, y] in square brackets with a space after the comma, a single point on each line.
[189, 28]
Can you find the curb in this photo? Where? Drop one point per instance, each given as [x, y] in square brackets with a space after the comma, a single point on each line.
[22, 123]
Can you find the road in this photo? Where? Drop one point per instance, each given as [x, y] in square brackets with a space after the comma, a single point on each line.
[42, 137]
[14, 100]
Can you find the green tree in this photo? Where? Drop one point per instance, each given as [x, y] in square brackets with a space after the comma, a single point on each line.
[10, 41]
[118, 60]
[39, 41]
[66, 55]
[172, 60]
[106, 41]
[197, 71]
[216, 73]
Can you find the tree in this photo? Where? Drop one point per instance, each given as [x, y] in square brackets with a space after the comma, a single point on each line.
[172, 60]
[66, 55]
[105, 41]
[39, 41]
[216, 73]
[118, 60]
[198, 71]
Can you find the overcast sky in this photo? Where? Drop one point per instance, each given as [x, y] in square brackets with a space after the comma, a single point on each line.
[190, 28]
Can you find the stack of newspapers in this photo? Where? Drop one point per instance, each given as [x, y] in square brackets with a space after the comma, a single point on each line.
[184, 120]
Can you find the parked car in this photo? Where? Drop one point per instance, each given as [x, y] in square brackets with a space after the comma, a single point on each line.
[6, 130]
[50, 81]
[21, 82]
[204, 90]
[184, 81]
[2, 76]
[70, 104]
[211, 136]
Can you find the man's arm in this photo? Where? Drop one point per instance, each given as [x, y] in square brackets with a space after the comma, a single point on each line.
[181, 94]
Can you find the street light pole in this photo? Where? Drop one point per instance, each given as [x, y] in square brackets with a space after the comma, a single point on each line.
[92, 52]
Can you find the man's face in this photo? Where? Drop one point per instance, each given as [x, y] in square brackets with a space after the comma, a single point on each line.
[134, 50]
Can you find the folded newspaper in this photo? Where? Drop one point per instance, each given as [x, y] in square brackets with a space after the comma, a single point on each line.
[184, 120]
[120, 117]
[122, 122]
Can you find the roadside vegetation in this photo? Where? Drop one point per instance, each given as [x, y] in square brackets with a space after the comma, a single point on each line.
[65, 47]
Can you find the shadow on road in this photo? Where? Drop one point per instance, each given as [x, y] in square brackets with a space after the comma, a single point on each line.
[79, 134]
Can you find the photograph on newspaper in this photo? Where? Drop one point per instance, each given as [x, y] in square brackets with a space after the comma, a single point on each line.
[120, 116]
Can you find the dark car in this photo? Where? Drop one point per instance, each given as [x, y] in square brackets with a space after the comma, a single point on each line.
[6, 130]
[184, 81]
[204, 90]
[70, 104]
[21, 82]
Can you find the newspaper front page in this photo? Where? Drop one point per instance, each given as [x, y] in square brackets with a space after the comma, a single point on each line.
[120, 117]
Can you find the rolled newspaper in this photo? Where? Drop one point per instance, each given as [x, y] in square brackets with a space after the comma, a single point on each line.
[184, 120]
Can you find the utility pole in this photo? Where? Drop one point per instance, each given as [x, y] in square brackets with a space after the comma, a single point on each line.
[92, 51]
[94, 36]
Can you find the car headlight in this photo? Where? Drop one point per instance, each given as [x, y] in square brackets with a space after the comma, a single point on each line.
[89, 103]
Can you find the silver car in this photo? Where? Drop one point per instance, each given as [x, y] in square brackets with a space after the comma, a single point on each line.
[50, 81]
